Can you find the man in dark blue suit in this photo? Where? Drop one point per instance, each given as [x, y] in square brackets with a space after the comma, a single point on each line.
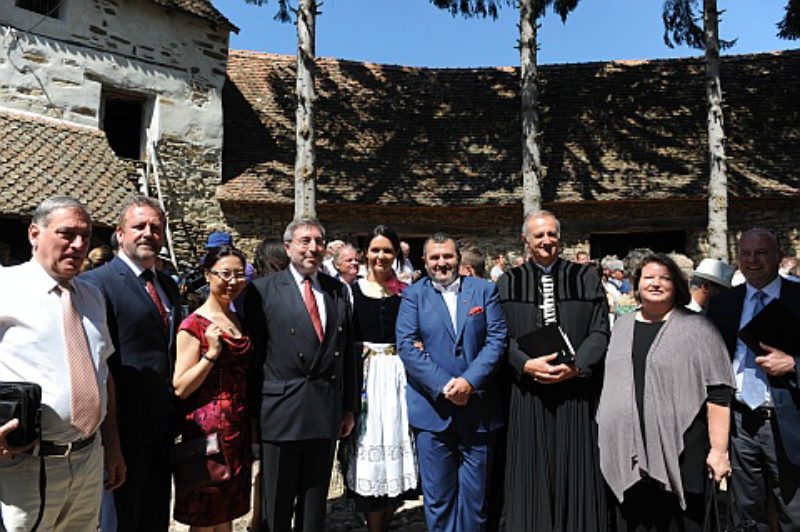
[451, 336]
[765, 433]
[143, 315]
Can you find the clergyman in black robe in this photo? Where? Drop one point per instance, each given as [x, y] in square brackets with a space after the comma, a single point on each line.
[553, 479]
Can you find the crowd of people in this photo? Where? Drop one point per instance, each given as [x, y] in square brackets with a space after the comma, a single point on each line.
[498, 390]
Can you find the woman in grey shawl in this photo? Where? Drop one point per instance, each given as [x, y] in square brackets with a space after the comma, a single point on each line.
[664, 414]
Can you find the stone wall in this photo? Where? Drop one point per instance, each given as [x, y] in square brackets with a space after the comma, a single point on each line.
[59, 66]
[189, 175]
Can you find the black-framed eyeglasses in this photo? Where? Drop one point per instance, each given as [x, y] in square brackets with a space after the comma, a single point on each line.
[229, 276]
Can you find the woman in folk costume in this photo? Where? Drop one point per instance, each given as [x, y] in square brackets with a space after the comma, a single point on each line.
[664, 411]
[381, 468]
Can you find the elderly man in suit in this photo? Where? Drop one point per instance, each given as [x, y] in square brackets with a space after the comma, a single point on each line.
[300, 322]
[143, 315]
[765, 433]
[451, 336]
[53, 333]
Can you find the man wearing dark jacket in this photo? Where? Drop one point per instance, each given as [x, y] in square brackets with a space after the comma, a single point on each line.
[143, 315]
[765, 432]
[304, 379]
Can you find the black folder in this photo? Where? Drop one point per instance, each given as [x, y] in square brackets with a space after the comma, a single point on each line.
[546, 340]
[776, 325]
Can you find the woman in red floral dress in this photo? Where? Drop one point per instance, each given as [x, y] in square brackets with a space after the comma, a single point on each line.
[211, 375]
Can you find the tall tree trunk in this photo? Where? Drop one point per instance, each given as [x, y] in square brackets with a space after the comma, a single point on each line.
[531, 159]
[305, 164]
[718, 171]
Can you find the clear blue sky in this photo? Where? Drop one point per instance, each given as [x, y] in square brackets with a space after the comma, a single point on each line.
[414, 32]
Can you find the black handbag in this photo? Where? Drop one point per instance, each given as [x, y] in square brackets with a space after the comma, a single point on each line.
[22, 401]
[199, 463]
[733, 520]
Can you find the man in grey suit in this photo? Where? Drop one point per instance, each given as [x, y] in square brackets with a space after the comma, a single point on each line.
[300, 323]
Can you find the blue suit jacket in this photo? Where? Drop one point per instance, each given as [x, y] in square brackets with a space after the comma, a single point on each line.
[144, 356]
[473, 351]
[725, 311]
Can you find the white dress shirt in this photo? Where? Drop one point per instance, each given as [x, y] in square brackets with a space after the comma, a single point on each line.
[773, 291]
[315, 288]
[450, 296]
[32, 341]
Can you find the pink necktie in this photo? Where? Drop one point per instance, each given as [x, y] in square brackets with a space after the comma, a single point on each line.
[84, 398]
[311, 306]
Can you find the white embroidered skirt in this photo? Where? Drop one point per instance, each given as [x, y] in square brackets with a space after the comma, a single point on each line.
[384, 461]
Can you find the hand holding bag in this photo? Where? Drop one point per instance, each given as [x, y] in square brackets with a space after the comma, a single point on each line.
[22, 401]
[199, 463]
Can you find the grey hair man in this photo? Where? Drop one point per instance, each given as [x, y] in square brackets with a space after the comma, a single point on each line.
[54, 334]
[300, 322]
[345, 261]
[551, 400]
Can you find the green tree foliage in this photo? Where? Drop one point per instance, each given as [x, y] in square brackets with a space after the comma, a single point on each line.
[490, 8]
[284, 9]
[789, 27]
[683, 24]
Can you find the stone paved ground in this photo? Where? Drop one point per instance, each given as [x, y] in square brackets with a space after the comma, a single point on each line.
[342, 517]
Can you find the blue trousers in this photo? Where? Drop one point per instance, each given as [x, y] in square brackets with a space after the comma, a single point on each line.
[454, 470]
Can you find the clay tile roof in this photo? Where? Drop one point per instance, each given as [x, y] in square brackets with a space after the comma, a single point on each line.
[43, 157]
[201, 8]
[621, 130]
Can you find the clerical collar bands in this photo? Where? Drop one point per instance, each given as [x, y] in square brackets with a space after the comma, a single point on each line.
[452, 287]
[548, 299]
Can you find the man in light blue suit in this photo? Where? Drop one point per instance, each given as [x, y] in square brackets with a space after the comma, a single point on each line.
[451, 336]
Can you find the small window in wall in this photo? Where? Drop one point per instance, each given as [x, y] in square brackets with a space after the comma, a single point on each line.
[123, 118]
[49, 8]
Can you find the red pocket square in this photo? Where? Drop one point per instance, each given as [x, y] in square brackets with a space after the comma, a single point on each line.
[475, 310]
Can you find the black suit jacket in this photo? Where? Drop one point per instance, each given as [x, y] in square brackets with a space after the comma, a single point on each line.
[725, 311]
[144, 357]
[304, 385]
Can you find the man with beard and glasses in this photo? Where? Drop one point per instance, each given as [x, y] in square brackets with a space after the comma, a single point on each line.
[143, 315]
[553, 479]
[451, 337]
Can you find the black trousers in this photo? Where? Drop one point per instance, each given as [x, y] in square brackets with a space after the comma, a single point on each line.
[295, 480]
[762, 471]
[142, 502]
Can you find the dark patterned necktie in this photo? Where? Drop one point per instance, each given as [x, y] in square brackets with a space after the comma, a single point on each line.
[311, 306]
[150, 286]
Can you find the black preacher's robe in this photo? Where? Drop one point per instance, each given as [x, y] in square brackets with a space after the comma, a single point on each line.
[553, 479]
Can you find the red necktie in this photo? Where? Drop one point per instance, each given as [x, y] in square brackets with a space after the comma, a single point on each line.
[150, 286]
[84, 399]
[311, 306]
